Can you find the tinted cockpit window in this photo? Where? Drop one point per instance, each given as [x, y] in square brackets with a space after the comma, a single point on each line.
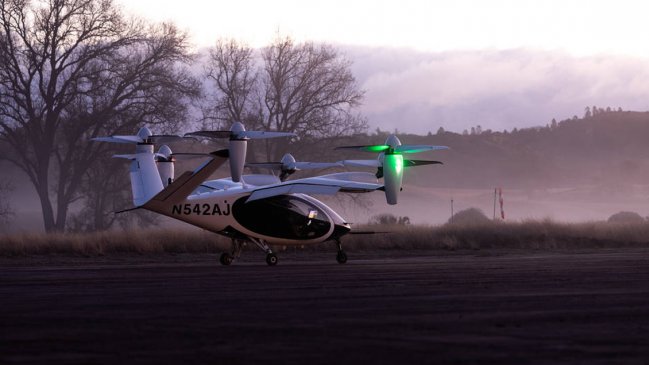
[282, 216]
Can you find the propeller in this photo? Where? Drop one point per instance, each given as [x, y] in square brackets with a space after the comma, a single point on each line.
[164, 154]
[288, 165]
[165, 159]
[239, 133]
[143, 136]
[390, 163]
[238, 138]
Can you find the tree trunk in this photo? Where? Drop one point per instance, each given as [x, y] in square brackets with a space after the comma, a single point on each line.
[61, 214]
[46, 204]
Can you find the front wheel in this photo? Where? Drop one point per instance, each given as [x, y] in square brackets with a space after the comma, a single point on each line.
[226, 259]
[341, 257]
[271, 259]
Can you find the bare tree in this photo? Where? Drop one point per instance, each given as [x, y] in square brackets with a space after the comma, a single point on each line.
[303, 88]
[106, 189]
[71, 70]
[231, 68]
[5, 208]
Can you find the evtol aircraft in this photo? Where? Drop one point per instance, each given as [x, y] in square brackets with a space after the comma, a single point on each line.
[261, 208]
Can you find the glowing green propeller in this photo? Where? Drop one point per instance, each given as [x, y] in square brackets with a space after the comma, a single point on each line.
[390, 162]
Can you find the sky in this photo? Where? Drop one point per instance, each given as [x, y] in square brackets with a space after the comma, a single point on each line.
[455, 64]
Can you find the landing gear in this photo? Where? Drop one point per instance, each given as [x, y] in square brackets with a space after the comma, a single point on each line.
[271, 259]
[235, 251]
[237, 244]
[226, 259]
[341, 257]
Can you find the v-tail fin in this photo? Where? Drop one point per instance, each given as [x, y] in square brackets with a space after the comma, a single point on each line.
[145, 178]
[186, 183]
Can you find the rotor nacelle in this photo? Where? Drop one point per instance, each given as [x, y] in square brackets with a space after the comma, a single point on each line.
[390, 163]
[165, 162]
[288, 165]
[238, 138]
[145, 134]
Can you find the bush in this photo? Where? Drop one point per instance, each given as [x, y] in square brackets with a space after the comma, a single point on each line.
[389, 219]
[469, 216]
[625, 217]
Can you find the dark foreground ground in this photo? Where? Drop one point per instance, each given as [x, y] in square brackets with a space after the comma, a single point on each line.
[430, 307]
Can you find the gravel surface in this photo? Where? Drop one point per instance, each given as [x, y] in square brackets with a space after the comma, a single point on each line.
[525, 307]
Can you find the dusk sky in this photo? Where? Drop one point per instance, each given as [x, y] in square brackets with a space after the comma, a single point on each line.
[456, 64]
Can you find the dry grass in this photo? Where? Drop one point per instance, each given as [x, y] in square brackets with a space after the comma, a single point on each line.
[532, 234]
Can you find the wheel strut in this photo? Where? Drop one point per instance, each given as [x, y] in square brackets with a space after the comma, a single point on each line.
[235, 252]
[341, 256]
[271, 258]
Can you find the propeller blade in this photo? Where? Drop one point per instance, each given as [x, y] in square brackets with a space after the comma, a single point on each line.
[262, 134]
[166, 138]
[417, 148]
[316, 165]
[119, 139]
[127, 156]
[369, 148]
[412, 163]
[188, 155]
[266, 165]
[362, 163]
[210, 134]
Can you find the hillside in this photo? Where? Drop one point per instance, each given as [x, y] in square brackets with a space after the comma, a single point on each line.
[574, 170]
[608, 148]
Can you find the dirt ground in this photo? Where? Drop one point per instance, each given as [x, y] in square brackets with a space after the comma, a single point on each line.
[587, 307]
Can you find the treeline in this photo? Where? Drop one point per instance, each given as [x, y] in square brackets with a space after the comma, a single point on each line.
[607, 150]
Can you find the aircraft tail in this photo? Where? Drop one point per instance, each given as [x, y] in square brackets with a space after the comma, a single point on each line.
[145, 178]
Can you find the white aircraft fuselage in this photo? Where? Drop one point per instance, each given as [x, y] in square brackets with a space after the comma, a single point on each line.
[290, 219]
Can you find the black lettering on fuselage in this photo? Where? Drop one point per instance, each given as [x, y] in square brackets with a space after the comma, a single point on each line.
[201, 209]
[216, 210]
[176, 209]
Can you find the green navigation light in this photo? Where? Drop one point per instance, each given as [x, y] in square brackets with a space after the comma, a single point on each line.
[377, 148]
[397, 162]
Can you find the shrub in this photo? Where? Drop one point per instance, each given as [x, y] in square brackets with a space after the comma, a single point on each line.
[625, 217]
[389, 219]
[469, 216]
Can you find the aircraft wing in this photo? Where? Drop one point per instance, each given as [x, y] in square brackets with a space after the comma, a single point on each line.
[324, 185]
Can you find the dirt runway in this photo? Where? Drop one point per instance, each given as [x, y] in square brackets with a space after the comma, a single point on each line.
[419, 308]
